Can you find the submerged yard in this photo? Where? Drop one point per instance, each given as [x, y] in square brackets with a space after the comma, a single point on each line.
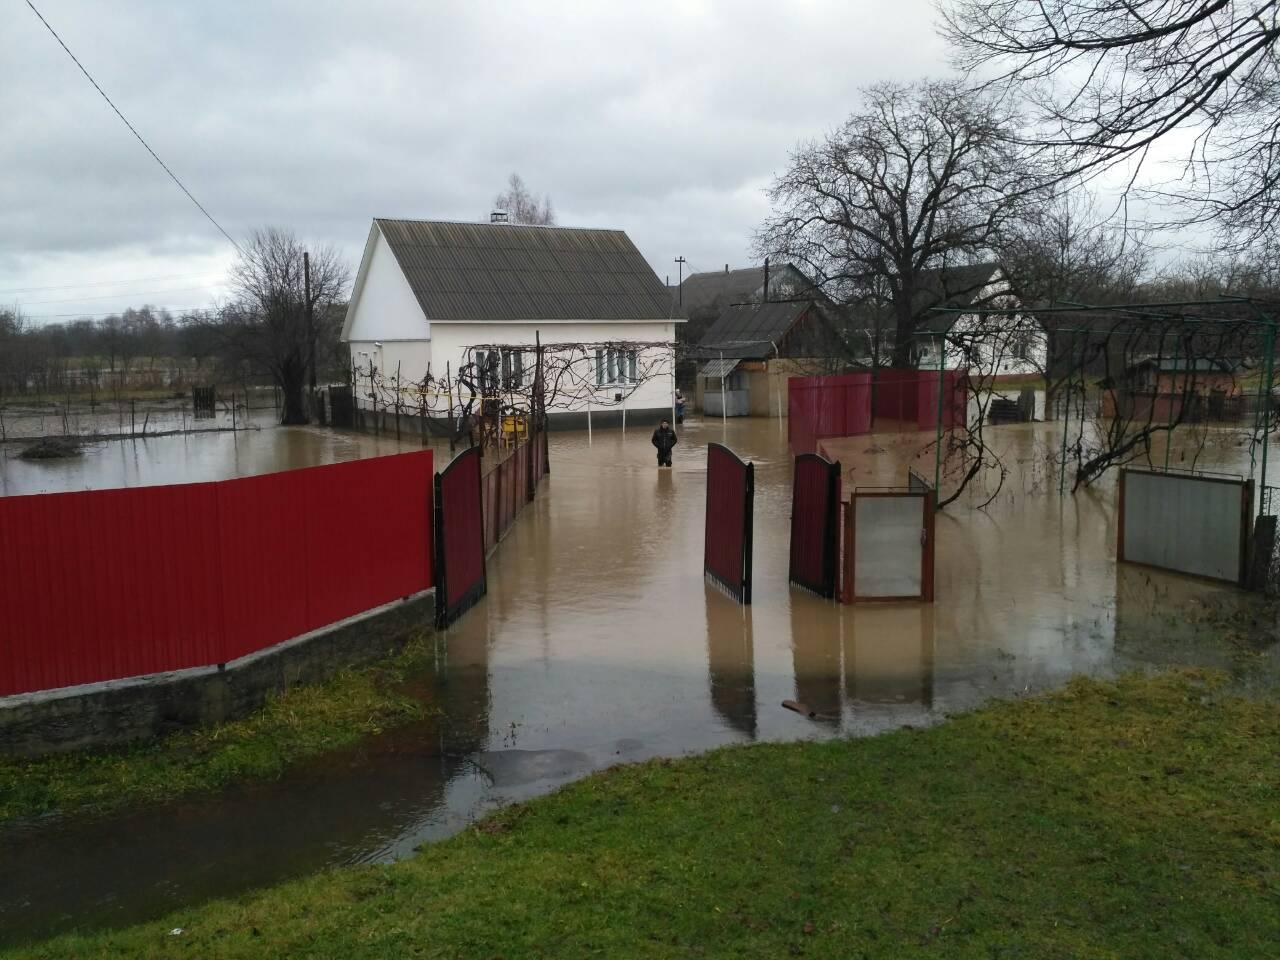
[599, 653]
[1134, 818]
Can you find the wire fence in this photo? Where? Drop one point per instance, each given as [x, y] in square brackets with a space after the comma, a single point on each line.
[203, 409]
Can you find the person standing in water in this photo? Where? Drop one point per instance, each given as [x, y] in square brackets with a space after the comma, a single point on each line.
[664, 438]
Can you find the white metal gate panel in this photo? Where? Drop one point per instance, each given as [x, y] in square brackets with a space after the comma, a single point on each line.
[889, 544]
[1187, 523]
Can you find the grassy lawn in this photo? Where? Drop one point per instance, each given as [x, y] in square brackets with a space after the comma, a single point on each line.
[1132, 819]
[300, 723]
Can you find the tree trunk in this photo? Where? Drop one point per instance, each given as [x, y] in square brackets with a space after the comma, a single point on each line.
[294, 409]
[904, 341]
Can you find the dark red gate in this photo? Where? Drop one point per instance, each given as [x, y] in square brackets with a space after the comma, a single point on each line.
[730, 496]
[815, 523]
[460, 578]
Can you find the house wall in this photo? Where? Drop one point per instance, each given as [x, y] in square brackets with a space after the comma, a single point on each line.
[992, 355]
[412, 357]
[451, 340]
[385, 308]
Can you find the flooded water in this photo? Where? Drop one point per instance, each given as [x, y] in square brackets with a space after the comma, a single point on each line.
[196, 457]
[600, 643]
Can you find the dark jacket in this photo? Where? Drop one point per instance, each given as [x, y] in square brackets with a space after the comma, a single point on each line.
[664, 440]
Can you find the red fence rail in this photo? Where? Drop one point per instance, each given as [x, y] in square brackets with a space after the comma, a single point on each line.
[815, 524]
[727, 544]
[203, 573]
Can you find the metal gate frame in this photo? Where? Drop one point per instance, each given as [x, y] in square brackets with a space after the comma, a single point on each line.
[830, 535]
[928, 545]
[1246, 518]
[447, 612]
[741, 590]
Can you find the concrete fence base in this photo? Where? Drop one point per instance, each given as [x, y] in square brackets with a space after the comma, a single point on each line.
[140, 708]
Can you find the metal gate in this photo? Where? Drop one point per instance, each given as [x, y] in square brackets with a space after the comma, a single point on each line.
[203, 403]
[730, 498]
[460, 568]
[889, 543]
[1187, 521]
[815, 523]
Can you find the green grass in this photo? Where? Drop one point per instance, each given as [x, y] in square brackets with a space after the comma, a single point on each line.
[1139, 818]
[299, 723]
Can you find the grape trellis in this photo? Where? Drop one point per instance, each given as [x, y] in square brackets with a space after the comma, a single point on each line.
[499, 381]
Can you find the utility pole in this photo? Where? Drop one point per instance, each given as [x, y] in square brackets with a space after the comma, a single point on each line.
[680, 262]
[311, 330]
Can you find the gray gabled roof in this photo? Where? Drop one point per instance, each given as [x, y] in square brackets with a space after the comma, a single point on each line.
[750, 330]
[719, 288]
[502, 272]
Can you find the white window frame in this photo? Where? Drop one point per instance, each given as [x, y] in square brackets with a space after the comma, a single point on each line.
[617, 366]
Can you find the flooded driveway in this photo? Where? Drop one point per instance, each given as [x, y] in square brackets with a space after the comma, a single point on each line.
[600, 643]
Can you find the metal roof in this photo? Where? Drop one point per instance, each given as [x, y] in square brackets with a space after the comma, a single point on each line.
[501, 272]
[718, 368]
[750, 330]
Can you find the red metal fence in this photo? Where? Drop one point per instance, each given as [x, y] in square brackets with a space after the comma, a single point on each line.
[510, 485]
[855, 403]
[106, 584]
[460, 544]
[727, 544]
[815, 523]
[836, 406]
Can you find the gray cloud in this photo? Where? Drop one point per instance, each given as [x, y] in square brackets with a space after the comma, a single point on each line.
[663, 120]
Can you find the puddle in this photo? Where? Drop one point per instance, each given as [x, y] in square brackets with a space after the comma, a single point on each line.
[599, 643]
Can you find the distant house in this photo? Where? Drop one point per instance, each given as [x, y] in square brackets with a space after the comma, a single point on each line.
[703, 296]
[434, 293]
[999, 347]
[752, 348]
[1157, 388]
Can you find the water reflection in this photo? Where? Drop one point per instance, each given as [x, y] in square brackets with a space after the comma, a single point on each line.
[731, 675]
[888, 654]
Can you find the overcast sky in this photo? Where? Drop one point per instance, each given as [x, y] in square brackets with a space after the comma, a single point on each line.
[665, 120]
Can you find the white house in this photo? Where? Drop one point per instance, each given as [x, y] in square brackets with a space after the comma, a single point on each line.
[992, 346]
[435, 295]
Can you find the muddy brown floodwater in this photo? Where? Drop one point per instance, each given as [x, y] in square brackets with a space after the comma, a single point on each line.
[599, 643]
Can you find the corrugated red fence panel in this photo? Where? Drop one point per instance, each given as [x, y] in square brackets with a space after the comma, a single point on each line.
[727, 545]
[461, 537]
[262, 522]
[384, 558]
[835, 406]
[107, 584]
[954, 401]
[815, 497]
[843, 406]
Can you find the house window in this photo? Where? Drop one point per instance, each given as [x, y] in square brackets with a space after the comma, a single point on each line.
[486, 362]
[513, 369]
[614, 366]
[1020, 343]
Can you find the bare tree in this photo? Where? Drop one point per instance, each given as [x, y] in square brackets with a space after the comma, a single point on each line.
[267, 324]
[522, 206]
[1109, 79]
[923, 176]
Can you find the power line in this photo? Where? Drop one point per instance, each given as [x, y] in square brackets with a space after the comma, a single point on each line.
[111, 283]
[124, 295]
[113, 313]
[173, 176]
